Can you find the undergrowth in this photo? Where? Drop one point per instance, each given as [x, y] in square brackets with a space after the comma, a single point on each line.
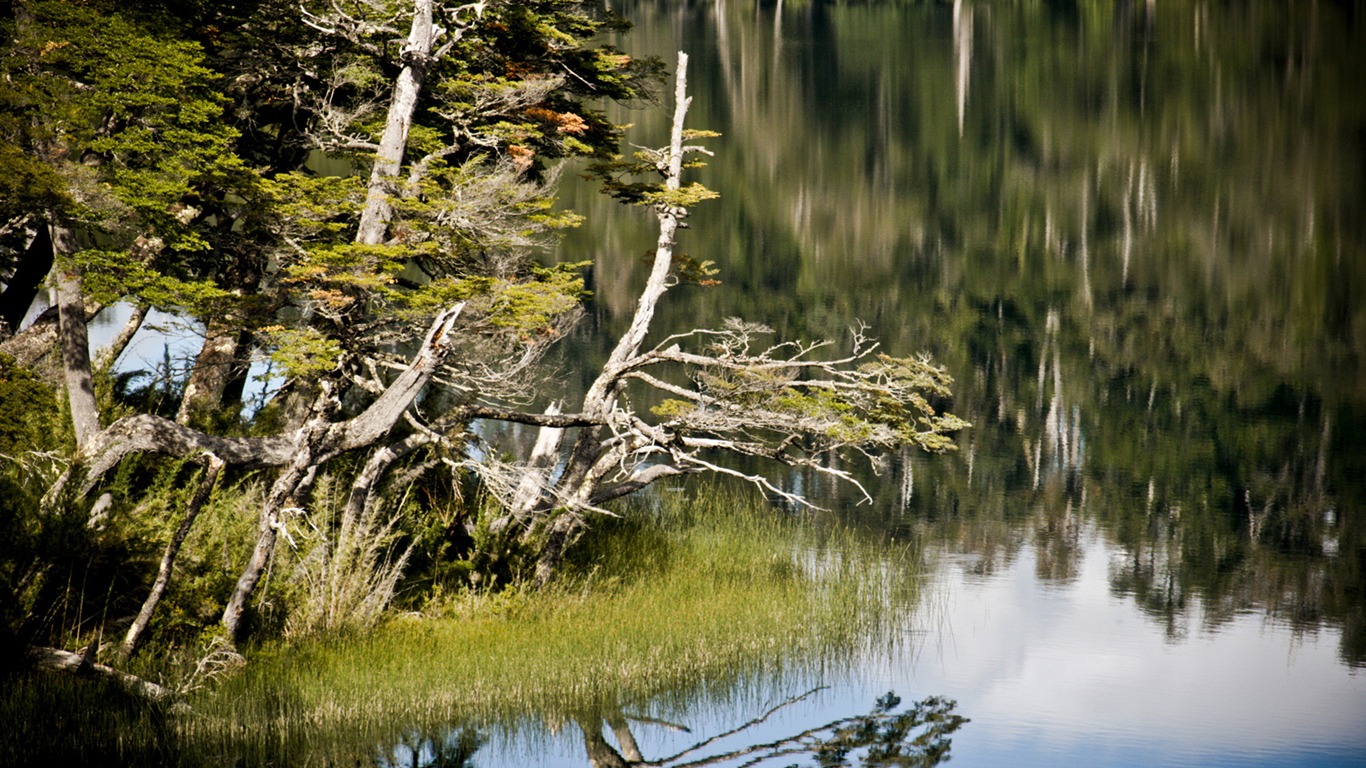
[673, 601]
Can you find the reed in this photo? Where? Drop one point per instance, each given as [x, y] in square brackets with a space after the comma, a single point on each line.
[677, 600]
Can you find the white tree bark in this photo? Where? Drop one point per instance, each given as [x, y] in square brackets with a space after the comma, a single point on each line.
[587, 463]
[75, 663]
[417, 60]
[788, 402]
[319, 441]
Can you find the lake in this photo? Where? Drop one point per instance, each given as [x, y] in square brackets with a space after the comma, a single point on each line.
[1135, 234]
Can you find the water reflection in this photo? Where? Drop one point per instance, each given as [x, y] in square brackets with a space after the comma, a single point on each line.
[1072, 675]
[1136, 233]
[918, 734]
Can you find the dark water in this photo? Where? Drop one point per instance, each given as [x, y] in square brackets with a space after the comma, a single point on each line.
[1135, 233]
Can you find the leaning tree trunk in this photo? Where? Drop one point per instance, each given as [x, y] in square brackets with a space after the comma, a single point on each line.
[214, 369]
[291, 485]
[587, 464]
[316, 443]
[23, 286]
[417, 61]
[110, 354]
[163, 579]
[319, 441]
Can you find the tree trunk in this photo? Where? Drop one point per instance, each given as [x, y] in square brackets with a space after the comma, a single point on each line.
[417, 60]
[539, 465]
[212, 372]
[562, 532]
[149, 606]
[585, 469]
[362, 496]
[75, 663]
[380, 417]
[75, 342]
[319, 441]
[292, 484]
[622, 730]
[34, 346]
[602, 394]
[22, 287]
[110, 354]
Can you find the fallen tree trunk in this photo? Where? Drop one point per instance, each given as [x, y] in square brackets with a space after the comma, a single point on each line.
[78, 664]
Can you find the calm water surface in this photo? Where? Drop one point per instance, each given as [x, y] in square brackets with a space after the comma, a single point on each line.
[1134, 233]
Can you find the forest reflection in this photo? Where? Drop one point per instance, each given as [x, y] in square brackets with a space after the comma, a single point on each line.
[1132, 231]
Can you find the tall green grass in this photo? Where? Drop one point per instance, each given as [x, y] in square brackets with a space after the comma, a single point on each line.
[673, 601]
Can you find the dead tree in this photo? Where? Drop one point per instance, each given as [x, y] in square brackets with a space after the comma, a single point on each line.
[729, 390]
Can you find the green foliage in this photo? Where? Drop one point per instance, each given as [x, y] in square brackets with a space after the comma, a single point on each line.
[33, 437]
[470, 555]
[918, 736]
[65, 578]
[683, 197]
[111, 275]
[30, 419]
[128, 117]
[127, 392]
[302, 352]
[693, 271]
[618, 177]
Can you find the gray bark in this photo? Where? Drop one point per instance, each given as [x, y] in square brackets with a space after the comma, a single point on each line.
[145, 433]
[75, 342]
[76, 663]
[587, 463]
[362, 496]
[30, 346]
[388, 408]
[291, 484]
[110, 354]
[318, 442]
[622, 730]
[213, 370]
[536, 474]
[417, 61]
[600, 754]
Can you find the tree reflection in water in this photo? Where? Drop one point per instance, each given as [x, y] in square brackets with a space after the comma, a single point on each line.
[917, 735]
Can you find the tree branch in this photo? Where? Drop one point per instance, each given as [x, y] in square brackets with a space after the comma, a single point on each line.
[382, 414]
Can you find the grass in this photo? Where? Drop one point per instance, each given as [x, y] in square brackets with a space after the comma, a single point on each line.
[672, 602]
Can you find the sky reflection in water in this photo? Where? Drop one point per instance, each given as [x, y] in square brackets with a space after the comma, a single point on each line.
[1076, 675]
